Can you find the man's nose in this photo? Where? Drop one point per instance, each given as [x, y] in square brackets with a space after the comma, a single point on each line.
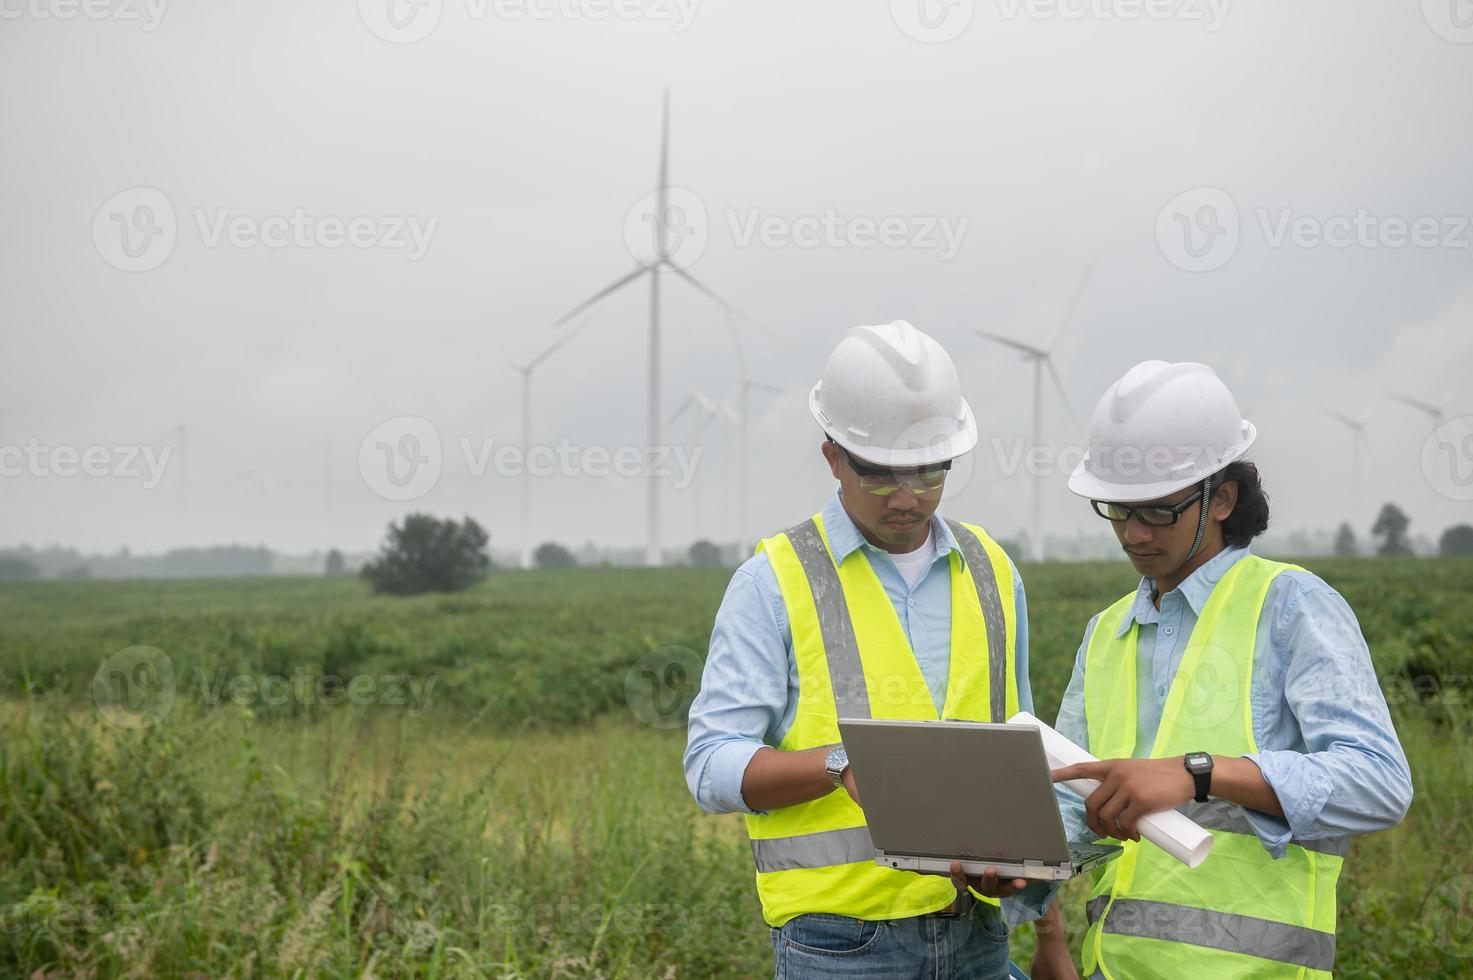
[903, 499]
[1136, 532]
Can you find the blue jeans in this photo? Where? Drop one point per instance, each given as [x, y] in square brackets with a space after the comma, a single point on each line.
[966, 947]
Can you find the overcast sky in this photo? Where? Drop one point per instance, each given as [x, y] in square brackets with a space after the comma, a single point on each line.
[285, 225]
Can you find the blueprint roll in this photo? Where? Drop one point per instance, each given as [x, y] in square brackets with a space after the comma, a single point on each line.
[1173, 832]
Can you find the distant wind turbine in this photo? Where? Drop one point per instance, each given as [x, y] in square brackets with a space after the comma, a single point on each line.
[1042, 357]
[524, 370]
[661, 261]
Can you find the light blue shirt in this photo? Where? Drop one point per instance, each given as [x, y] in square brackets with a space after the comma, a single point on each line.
[749, 689]
[1326, 743]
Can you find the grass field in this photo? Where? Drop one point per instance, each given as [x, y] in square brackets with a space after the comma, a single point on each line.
[489, 784]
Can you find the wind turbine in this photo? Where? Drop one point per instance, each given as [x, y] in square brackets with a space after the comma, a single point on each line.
[660, 262]
[524, 369]
[1042, 357]
[1357, 429]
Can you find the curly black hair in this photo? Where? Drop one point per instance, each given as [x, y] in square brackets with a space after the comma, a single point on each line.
[1249, 518]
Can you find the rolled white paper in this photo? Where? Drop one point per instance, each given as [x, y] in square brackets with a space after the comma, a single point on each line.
[1173, 832]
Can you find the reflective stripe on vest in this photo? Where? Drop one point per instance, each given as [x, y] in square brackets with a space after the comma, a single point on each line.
[1240, 934]
[854, 661]
[1151, 916]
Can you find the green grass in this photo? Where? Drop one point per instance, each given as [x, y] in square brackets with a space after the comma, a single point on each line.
[522, 820]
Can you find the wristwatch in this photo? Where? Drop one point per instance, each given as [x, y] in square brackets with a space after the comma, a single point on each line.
[835, 763]
[1199, 764]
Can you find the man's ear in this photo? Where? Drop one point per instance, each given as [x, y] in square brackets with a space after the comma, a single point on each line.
[834, 458]
[1224, 499]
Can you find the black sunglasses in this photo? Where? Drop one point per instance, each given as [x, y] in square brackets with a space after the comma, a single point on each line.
[1151, 515]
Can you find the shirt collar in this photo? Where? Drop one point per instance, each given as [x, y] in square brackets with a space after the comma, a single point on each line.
[845, 539]
[1196, 589]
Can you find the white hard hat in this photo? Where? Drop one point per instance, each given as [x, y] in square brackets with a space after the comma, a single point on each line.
[890, 396]
[1159, 429]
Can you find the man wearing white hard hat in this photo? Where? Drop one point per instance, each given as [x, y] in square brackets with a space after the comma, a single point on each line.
[876, 607]
[1236, 689]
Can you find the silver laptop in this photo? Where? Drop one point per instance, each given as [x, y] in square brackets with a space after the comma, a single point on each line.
[934, 792]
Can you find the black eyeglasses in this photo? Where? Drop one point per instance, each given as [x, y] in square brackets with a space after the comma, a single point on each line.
[882, 482]
[1151, 515]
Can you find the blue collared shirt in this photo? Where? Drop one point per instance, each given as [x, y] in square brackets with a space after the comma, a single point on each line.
[1326, 743]
[749, 689]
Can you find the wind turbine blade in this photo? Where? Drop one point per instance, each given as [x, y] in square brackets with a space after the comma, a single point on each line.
[1053, 372]
[611, 288]
[662, 198]
[711, 294]
[684, 407]
[1346, 419]
[552, 348]
[1015, 344]
[774, 389]
[1414, 403]
[1073, 302]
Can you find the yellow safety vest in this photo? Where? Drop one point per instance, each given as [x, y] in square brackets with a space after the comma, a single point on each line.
[854, 661]
[1240, 913]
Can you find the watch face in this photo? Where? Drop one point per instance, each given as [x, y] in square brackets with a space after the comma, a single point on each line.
[1199, 761]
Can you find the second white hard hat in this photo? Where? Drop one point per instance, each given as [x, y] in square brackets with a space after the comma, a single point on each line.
[1160, 429]
[890, 395]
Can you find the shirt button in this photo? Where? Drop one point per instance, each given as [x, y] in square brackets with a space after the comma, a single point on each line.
[1161, 691]
[1168, 630]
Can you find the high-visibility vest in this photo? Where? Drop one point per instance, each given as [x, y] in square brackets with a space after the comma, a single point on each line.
[1240, 913]
[854, 661]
